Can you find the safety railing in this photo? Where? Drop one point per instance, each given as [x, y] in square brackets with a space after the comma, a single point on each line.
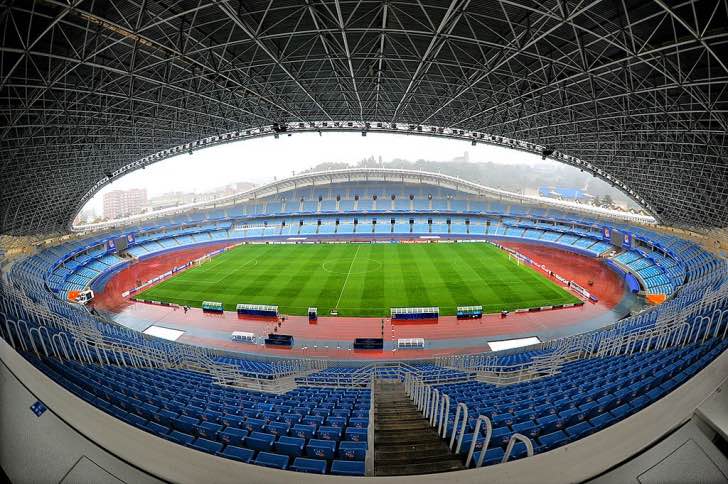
[435, 407]
[361, 376]
[63, 337]
[671, 330]
[369, 458]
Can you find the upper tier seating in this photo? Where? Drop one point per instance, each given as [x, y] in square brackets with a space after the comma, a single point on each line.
[658, 269]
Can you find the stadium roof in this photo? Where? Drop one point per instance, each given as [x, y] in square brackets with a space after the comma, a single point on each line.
[635, 92]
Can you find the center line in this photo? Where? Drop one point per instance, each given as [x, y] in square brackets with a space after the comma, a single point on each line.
[347, 277]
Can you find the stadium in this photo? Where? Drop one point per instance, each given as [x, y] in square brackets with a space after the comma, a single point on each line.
[365, 323]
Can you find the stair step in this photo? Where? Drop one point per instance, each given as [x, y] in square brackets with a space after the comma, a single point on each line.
[405, 443]
[385, 427]
[399, 452]
[453, 464]
[391, 400]
[406, 414]
[404, 437]
[413, 458]
[417, 446]
[409, 414]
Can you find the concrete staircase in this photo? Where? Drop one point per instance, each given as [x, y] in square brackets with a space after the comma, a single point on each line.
[404, 442]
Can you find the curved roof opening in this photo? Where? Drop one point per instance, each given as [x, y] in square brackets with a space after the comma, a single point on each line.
[220, 172]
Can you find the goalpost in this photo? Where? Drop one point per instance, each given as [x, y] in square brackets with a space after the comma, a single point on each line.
[511, 257]
[202, 260]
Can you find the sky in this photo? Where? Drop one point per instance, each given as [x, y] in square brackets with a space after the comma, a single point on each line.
[260, 160]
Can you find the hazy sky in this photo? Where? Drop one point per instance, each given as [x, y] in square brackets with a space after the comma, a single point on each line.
[259, 160]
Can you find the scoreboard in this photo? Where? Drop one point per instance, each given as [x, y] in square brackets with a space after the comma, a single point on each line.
[618, 238]
[120, 244]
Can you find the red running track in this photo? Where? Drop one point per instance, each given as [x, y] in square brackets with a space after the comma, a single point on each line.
[110, 297]
[332, 336]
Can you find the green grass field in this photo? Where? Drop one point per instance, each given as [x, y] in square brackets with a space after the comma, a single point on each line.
[362, 279]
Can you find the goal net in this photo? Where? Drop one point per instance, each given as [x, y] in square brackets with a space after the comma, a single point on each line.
[201, 260]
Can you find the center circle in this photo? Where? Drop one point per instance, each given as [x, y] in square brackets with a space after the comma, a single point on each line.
[345, 266]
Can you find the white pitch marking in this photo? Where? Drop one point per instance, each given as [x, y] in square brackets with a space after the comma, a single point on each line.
[347, 276]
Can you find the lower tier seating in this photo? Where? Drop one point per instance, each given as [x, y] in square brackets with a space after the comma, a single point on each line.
[307, 430]
[585, 397]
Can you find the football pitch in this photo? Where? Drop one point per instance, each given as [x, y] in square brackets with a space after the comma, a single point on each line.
[361, 279]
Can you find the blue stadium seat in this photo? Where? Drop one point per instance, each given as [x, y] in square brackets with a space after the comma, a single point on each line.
[359, 422]
[603, 420]
[493, 455]
[291, 418]
[233, 435]
[291, 446]
[181, 437]
[185, 424]
[136, 420]
[347, 468]
[269, 459]
[550, 423]
[313, 466]
[621, 412]
[572, 416]
[336, 421]
[164, 417]
[329, 433]
[501, 436]
[579, 430]
[233, 420]
[315, 419]
[304, 431]
[529, 429]
[259, 441]
[277, 428]
[206, 445]
[212, 416]
[156, 428]
[209, 430]
[352, 450]
[519, 451]
[253, 424]
[237, 453]
[321, 449]
[356, 434]
[553, 440]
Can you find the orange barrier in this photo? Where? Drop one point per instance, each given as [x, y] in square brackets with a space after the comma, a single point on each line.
[72, 295]
[656, 298]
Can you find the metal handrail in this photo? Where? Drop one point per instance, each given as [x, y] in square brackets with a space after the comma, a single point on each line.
[486, 442]
[512, 442]
[369, 458]
[433, 406]
[444, 413]
[455, 431]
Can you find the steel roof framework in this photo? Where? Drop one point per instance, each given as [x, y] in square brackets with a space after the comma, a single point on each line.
[638, 90]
